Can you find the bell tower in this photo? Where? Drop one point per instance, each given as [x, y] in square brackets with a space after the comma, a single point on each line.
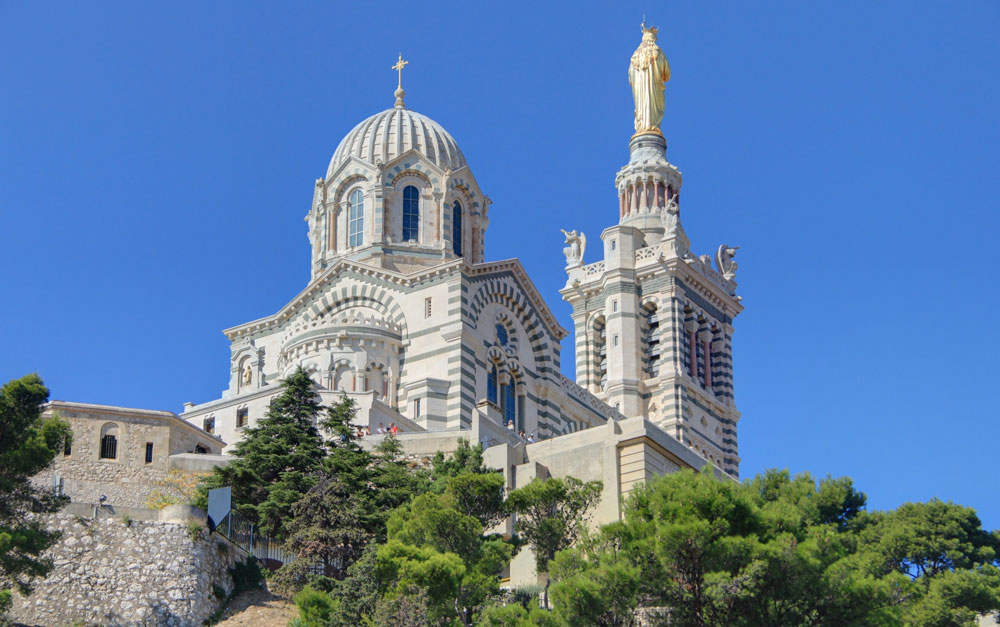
[653, 321]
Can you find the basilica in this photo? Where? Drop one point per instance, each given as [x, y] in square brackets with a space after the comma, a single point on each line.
[405, 315]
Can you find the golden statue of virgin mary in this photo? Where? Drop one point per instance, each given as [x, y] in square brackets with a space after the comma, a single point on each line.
[648, 73]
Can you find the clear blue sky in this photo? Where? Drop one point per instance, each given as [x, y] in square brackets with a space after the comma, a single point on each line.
[157, 163]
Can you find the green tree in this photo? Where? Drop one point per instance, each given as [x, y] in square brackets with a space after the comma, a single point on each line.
[478, 490]
[601, 591]
[552, 514]
[516, 615]
[480, 495]
[404, 567]
[465, 458]
[332, 522]
[760, 553]
[28, 445]
[379, 479]
[950, 559]
[432, 522]
[325, 532]
[778, 550]
[278, 460]
[407, 609]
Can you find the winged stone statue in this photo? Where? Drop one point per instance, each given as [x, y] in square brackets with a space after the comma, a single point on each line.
[577, 246]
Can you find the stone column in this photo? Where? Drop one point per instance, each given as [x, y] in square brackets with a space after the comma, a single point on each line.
[705, 340]
[691, 327]
[334, 213]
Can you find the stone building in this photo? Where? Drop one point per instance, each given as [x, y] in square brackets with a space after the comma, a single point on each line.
[405, 314]
[128, 455]
[402, 312]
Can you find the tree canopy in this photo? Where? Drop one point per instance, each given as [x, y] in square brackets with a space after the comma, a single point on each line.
[28, 445]
[778, 550]
[276, 461]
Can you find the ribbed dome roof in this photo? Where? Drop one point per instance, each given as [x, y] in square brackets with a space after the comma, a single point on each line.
[386, 135]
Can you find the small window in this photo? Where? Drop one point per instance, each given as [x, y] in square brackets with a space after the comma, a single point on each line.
[149, 452]
[614, 306]
[109, 441]
[411, 214]
[502, 336]
[613, 244]
[68, 446]
[209, 424]
[109, 447]
[510, 403]
[356, 219]
[242, 417]
[416, 408]
[427, 307]
[200, 450]
[491, 385]
[616, 340]
[456, 228]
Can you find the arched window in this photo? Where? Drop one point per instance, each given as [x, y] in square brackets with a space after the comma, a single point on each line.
[651, 346]
[491, 385]
[502, 335]
[456, 228]
[356, 219]
[509, 403]
[343, 379]
[109, 441]
[600, 353]
[411, 214]
[376, 381]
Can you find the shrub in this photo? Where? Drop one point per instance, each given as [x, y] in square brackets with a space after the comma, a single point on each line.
[195, 529]
[316, 608]
[5, 602]
[246, 575]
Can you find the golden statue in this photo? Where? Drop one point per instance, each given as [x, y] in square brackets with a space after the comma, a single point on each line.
[647, 74]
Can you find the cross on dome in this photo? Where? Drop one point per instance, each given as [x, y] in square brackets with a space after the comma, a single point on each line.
[400, 64]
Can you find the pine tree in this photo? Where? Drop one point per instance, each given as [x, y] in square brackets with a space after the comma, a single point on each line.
[28, 444]
[279, 459]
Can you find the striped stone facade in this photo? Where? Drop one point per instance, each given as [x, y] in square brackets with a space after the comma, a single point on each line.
[653, 321]
[422, 332]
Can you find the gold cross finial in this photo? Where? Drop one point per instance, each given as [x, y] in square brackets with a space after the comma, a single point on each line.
[399, 87]
[399, 67]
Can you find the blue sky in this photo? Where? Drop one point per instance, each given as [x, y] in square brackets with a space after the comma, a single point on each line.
[157, 164]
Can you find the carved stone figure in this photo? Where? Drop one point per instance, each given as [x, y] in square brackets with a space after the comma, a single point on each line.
[647, 74]
[248, 375]
[577, 246]
[724, 261]
[671, 218]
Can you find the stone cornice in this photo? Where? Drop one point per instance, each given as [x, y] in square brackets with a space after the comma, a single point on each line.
[596, 283]
[319, 284]
[404, 281]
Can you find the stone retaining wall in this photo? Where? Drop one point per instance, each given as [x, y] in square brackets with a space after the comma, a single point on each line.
[141, 572]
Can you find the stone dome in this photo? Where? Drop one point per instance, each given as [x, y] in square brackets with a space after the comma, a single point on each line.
[393, 132]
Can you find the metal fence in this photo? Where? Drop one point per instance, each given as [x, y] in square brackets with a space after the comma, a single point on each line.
[246, 536]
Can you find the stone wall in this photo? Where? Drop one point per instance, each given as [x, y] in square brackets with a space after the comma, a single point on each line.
[128, 479]
[109, 572]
